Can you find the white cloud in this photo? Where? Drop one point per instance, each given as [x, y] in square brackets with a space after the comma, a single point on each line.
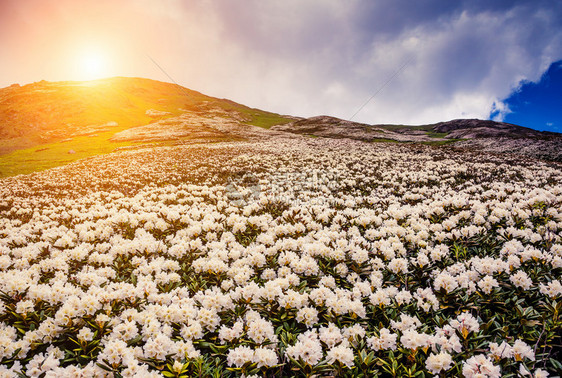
[310, 57]
[499, 110]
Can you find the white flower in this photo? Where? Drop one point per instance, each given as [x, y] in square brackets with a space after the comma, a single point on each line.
[229, 334]
[403, 297]
[342, 354]
[439, 252]
[327, 281]
[465, 323]
[386, 340]
[406, 322]
[435, 363]
[341, 269]
[480, 366]
[398, 265]
[240, 356]
[488, 283]
[307, 348]
[503, 350]
[539, 373]
[353, 332]
[193, 331]
[125, 331]
[265, 357]
[380, 298]
[185, 349]
[113, 351]
[411, 339]
[445, 281]
[553, 289]
[85, 334]
[521, 351]
[23, 307]
[261, 330]
[308, 316]
[330, 335]
[521, 279]
[208, 318]
[158, 347]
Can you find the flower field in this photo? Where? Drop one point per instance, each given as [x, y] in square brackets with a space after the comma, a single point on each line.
[287, 257]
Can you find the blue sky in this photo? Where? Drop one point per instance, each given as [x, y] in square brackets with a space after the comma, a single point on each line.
[537, 105]
[465, 58]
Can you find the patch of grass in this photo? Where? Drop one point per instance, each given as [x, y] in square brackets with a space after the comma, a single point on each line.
[385, 140]
[441, 142]
[428, 128]
[54, 154]
[256, 117]
[37, 120]
[433, 134]
[266, 120]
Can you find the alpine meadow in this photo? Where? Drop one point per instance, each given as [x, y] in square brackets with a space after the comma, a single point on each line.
[151, 230]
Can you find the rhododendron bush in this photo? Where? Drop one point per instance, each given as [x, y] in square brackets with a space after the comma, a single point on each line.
[285, 257]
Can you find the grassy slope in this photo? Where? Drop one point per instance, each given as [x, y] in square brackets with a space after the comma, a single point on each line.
[428, 131]
[36, 120]
[427, 128]
[53, 154]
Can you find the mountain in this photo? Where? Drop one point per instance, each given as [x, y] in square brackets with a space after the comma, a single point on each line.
[485, 135]
[331, 127]
[46, 124]
[49, 110]
[477, 128]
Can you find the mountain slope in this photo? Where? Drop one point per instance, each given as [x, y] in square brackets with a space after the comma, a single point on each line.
[331, 127]
[46, 124]
[477, 128]
[46, 107]
[477, 134]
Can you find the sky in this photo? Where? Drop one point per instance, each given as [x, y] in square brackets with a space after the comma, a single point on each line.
[378, 61]
[537, 104]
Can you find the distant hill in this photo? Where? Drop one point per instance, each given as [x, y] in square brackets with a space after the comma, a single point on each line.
[46, 124]
[477, 128]
[477, 134]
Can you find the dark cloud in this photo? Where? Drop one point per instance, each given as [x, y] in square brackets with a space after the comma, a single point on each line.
[308, 57]
[465, 54]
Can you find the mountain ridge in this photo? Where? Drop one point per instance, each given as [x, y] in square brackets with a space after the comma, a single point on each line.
[451, 126]
[506, 129]
[44, 105]
[485, 135]
[45, 124]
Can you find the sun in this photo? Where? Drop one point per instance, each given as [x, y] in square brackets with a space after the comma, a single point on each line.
[92, 64]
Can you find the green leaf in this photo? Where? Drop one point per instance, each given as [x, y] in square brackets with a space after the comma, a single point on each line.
[530, 323]
[557, 365]
[104, 367]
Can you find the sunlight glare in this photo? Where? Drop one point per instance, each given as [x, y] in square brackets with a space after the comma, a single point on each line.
[92, 65]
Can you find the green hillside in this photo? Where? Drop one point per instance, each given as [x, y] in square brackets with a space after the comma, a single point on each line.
[47, 124]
